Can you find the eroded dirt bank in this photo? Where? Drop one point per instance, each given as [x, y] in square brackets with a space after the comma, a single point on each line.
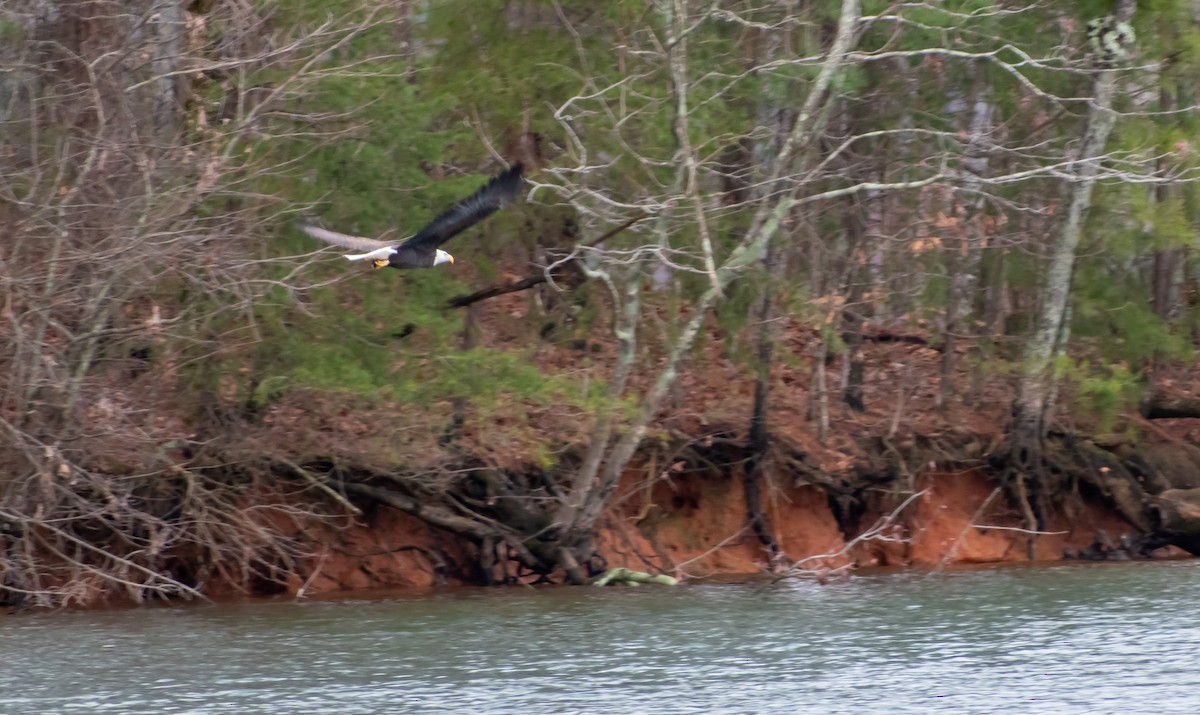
[687, 515]
[692, 526]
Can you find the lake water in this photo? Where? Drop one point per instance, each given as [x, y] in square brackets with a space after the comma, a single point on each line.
[1105, 638]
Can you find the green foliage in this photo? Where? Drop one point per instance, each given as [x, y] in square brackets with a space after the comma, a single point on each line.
[375, 181]
[1109, 296]
[1133, 333]
[10, 31]
[1101, 390]
[495, 74]
[411, 144]
[345, 365]
[1166, 28]
[489, 378]
[733, 313]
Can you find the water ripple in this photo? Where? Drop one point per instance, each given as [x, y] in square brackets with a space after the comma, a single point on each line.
[1097, 639]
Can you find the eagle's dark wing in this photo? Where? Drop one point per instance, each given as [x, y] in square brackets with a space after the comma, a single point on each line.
[491, 197]
[358, 243]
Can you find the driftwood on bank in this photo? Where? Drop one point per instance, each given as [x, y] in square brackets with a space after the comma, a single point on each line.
[628, 577]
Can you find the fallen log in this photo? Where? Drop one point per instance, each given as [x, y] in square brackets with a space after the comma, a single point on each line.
[1162, 407]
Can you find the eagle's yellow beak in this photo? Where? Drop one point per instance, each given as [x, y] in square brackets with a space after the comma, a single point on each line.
[451, 259]
[379, 262]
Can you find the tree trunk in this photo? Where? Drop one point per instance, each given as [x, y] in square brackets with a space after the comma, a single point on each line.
[458, 404]
[988, 294]
[775, 262]
[1038, 384]
[852, 335]
[760, 436]
[1032, 404]
[963, 259]
[1165, 268]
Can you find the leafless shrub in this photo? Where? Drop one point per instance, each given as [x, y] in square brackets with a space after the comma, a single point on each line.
[133, 135]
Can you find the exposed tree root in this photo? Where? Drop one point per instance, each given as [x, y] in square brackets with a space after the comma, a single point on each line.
[1131, 479]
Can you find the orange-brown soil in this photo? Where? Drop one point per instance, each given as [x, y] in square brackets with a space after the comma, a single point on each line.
[692, 526]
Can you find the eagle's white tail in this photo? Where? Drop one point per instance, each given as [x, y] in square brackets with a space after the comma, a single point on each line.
[377, 254]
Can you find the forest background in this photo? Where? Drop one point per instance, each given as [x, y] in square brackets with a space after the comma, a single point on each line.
[836, 241]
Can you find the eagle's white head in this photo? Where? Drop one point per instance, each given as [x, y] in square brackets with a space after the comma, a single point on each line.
[440, 257]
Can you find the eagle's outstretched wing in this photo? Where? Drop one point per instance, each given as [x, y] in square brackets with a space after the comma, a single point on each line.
[491, 197]
[358, 243]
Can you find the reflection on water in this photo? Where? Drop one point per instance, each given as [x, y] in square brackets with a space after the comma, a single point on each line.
[1110, 638]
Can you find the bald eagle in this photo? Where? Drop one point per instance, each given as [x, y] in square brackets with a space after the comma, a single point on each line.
[422, 250]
